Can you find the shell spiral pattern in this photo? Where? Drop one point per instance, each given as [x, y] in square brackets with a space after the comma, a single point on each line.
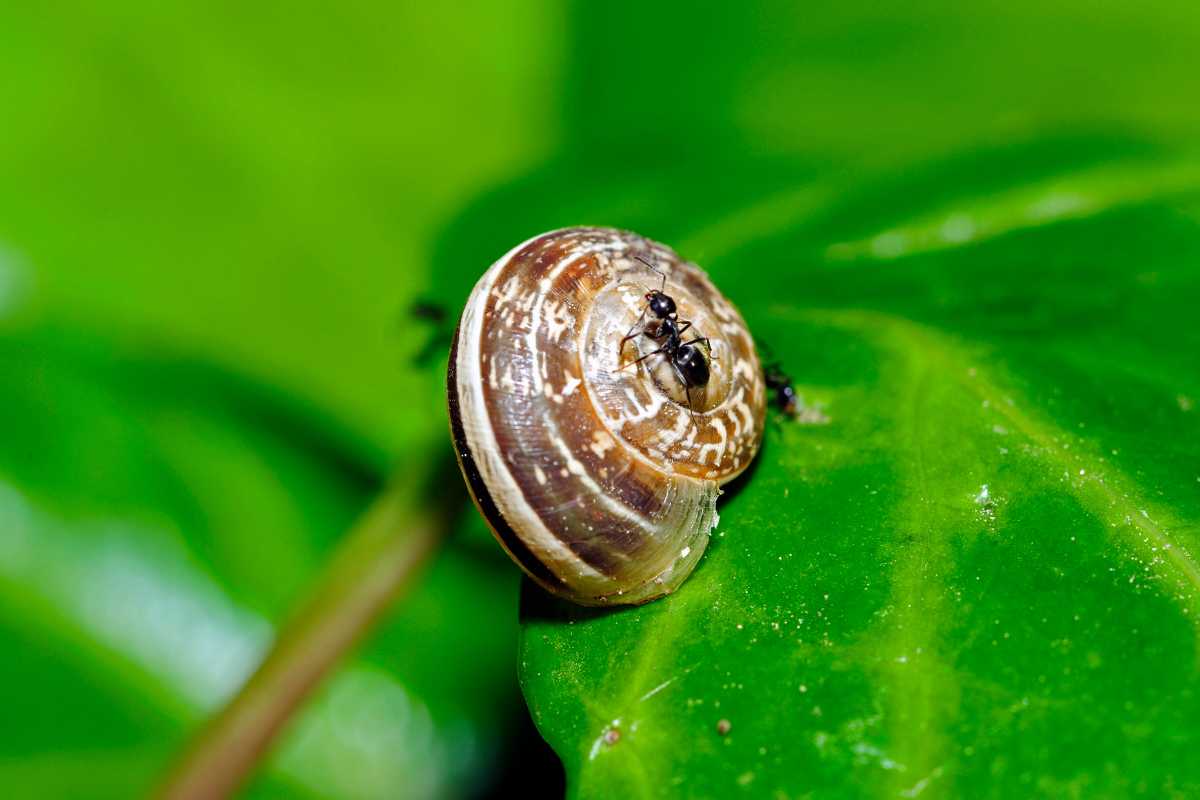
[598, 476]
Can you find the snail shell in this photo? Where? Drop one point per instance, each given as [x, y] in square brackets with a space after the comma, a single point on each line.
[592, 472]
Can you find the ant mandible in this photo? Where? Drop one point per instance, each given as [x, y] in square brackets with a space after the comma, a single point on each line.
[666, 329]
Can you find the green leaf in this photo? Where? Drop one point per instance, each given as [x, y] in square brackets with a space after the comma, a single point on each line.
[971, 569]
[974, 571]
[269, 209]
[147, 543]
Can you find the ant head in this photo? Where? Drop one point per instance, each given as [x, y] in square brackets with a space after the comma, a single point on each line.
[661, 305]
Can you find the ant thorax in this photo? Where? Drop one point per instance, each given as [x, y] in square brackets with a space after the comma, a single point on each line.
[665, 329]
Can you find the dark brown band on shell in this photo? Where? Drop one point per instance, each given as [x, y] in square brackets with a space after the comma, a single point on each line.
[479, 491]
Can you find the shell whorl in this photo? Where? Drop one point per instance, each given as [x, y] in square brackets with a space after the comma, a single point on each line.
[598, 479]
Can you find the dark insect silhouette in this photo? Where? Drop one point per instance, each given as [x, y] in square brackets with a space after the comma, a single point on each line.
[784, 397]
[779, 383]
[429, 311]
[440, 335]
[688, 359]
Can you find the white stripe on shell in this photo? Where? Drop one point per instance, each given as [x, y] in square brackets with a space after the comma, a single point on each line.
[477, 428]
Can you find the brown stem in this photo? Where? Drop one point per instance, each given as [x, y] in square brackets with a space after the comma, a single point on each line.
[376, 562]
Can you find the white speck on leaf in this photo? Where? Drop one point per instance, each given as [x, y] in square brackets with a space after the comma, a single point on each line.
[655, 690]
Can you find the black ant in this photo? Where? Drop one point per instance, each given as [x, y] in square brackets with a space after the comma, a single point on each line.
[689, 362]
[780, 383]
[785, 398]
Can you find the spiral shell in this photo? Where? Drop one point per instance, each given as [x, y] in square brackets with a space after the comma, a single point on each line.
[593, 472]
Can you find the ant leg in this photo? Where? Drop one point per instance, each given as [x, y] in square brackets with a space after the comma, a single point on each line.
[687, 390]
[631, 334]
[707, 345]
[643, 358]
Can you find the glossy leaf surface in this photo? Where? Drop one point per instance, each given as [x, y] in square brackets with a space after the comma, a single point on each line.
[971, 570]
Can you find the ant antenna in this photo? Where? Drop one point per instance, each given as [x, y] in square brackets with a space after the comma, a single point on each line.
[656, 271]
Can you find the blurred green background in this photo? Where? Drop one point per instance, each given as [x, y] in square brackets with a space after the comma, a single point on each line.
[214, 220]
